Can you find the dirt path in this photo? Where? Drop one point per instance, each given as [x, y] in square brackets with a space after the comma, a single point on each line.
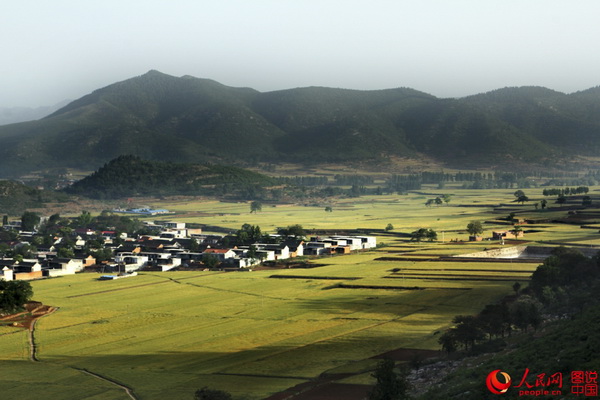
[29, 323]
[127, 389]
[31, 332]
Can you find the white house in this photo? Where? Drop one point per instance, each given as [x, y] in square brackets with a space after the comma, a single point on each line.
[281, 251]
[7, 274]
[62, 266]
[355, 243]
[316, 248]
[368, 242]
[173, 225]
[131, 261]
[221, 254]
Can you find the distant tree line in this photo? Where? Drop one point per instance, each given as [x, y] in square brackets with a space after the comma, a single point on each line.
[353, 179]
[484, 180]
[304, 180]
[566, 191]
[582, 181]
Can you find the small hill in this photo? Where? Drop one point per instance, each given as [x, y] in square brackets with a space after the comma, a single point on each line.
[131, 176]
[15, 198]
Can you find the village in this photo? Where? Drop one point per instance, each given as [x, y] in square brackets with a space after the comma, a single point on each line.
[171, 246]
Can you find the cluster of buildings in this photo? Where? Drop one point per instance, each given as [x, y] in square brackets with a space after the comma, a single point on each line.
[172, 246]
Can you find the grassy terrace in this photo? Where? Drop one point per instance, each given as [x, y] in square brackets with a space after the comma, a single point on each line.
[167, 334]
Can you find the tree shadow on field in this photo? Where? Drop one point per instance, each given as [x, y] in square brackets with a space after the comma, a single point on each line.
[436, 303]
[249, 372]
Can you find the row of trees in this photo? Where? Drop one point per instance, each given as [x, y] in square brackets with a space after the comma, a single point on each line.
[495, 320]
[566, 191]
[565, 283]
[560, 193]
[422, 234]
[249, 234]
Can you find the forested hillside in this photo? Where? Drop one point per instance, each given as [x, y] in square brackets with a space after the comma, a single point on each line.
[132, 176]
[165, 118]
[16, 197]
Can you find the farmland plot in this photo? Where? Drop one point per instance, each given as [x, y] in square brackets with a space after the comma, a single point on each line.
[164, 335]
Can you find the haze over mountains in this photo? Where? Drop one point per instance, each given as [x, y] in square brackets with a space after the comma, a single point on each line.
[13, 115]
[187, 119]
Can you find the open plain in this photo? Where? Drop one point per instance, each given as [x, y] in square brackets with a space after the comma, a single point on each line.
[254, 334]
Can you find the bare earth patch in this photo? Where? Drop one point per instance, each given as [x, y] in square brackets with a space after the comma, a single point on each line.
[25, 319]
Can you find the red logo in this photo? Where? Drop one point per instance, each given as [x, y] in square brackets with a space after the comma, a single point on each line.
[494, 385]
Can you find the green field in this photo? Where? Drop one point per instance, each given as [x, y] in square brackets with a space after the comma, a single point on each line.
[164, 335]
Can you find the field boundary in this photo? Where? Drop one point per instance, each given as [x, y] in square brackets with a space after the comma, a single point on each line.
[31, 334]
[127, 389]
[328, 278]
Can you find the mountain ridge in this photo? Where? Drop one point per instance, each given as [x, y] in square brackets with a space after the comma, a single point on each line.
[165, 118]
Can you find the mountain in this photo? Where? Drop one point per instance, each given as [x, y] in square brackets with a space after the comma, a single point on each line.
[186, 119]
[12, 115]
[131, 176]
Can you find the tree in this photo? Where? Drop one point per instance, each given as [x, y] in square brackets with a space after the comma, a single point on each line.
[292, 230]
[389, 227]
[423, 233]
[448, 341]
[100, 255]
[431, 235]
[543, 203]
[494, 320]
[211, 394]
[418, 235]
[516, 287]
[390, 385]
[249, 234]
[328, 209]
[561, 199]
[84, 220]
[210, 261]
[516, 231]
[65, 252]
[29, 220]
[252, 253]
[447, 198]
[4, 220]
[53, 220]
[468, 330]
[474, 228]
[522, 199]
[526, 312]
[519, 193]
[520, 196]
[13, 295]
[255, 207]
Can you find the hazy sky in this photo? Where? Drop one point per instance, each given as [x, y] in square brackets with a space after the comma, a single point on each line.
[59, 49]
